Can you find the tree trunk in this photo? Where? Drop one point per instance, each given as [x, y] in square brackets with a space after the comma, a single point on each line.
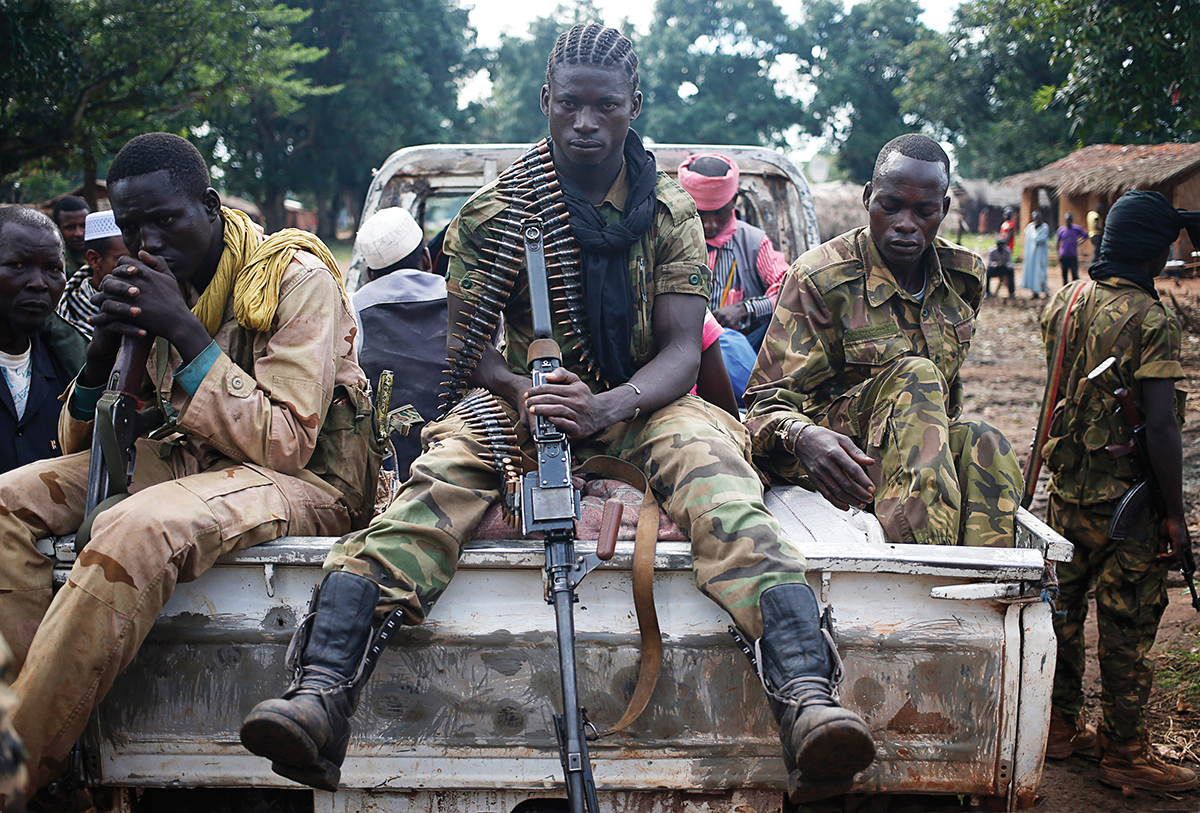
[90, 193]
[326, 216]
[274, 212]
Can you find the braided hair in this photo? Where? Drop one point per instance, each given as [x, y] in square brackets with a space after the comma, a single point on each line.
[593, 44]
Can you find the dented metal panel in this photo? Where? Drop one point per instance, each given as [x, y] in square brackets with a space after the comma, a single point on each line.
[956, 692]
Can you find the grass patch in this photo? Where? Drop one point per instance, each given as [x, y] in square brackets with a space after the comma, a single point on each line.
[979, 243]
[1178, 671]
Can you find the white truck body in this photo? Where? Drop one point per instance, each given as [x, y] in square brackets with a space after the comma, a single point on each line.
[948, 651]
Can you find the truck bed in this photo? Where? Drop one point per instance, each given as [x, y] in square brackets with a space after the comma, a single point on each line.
[949, 657]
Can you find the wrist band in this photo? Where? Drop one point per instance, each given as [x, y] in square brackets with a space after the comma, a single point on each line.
[788, 439]
[637, 410]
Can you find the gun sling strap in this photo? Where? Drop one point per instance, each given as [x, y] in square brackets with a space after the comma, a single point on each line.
[1051, 397]
[643, 582]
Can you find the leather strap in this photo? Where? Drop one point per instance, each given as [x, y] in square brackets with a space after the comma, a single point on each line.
[1033, 464]
[644, 544]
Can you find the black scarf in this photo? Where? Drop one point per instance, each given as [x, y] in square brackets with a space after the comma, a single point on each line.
[607, 294]
[1140, 226]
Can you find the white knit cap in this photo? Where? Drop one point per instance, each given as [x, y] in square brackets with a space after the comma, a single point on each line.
[388, 237]
[100, 224]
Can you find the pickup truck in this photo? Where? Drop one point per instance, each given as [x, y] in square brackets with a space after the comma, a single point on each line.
[949, 651]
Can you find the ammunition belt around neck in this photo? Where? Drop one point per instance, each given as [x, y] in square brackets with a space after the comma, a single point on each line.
[531, 190]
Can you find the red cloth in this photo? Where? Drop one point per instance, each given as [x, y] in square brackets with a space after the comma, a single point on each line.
[709, 193]
[594, 493]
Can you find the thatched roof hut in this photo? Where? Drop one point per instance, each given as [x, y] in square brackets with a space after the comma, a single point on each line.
[1103, 172]
[839, 207]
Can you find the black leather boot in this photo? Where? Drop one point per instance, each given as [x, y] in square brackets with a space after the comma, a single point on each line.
[824, 745]
[305, 733]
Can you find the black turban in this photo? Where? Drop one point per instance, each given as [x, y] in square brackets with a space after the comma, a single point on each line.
[1140, 226]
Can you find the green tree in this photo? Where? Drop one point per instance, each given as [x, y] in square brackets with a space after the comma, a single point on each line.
[983, 85]
[396, 66]
[81, 77]
[859, 58]
[1134, 76]
[517, 69]
[713, 69]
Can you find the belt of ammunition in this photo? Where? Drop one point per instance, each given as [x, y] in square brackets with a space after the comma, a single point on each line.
[530, 188]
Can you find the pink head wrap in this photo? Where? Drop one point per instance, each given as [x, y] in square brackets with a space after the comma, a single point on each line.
[709, 193]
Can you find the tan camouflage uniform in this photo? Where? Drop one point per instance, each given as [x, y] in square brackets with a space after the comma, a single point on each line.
[247, 473]
[694, 455]
[1118, 318]
[13, 774]
[852, 351]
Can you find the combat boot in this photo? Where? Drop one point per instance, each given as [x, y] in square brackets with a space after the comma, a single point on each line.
[1134, 764]
[824, 745]
[1069, 736]
[305, 733]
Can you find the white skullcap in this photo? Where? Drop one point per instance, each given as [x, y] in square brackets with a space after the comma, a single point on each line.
[388, 237]
[99, 225]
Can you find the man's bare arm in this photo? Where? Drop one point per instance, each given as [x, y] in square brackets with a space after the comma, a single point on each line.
[1162, 435]
[677, 321]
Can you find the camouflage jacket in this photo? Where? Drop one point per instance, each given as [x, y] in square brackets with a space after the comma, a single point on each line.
[670, 258]
[1112, 317]
[841, 317]
[266, 398]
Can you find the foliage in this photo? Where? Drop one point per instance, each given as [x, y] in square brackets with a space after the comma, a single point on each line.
[1133, 67]
[85, 75]
[517, 70]
[710, 72]
[983, 86]
[396, 83]
[859, 58]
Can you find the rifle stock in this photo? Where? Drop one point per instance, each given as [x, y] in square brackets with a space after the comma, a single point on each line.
[115, 432]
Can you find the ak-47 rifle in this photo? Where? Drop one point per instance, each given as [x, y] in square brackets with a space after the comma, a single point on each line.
[116, 430]
[548, 503]
[1146, 485]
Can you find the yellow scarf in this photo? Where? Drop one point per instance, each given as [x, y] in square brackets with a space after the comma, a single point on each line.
[253, 271]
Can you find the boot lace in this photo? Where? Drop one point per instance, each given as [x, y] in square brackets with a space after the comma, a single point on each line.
[806, 690]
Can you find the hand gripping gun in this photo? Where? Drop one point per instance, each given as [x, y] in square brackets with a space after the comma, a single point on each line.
[118, 425]
[548, 503]
[1146, 485]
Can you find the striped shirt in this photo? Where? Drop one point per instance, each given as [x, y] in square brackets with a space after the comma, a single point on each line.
[771, 268]
[76, 303]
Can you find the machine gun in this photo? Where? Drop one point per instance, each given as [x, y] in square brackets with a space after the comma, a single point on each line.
[118, 425]
[1146, 485]
[548, 503]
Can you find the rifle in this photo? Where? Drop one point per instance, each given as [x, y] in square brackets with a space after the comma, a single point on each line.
[548, 503]
[113, 437]
[1146, 485]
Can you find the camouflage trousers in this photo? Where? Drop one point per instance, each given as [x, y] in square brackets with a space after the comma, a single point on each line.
[937, 480]
[695, 457]
[1131, 596]
[179, 519]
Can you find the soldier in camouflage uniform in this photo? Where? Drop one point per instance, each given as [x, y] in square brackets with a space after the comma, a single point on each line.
[1118, 315]
[259, 448]
[695, 456]
[856, 391]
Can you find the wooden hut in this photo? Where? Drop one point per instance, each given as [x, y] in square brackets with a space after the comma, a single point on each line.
[1103, 172]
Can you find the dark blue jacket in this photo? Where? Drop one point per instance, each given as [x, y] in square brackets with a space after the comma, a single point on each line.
[57, 356]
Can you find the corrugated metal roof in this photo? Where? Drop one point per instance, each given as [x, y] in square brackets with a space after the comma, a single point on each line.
[1111, 169]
